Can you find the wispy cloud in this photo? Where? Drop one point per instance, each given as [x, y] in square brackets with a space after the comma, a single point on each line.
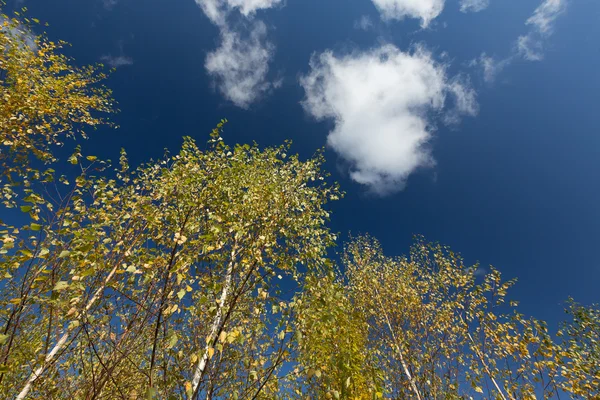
[541, 24]
[109, 4]
[382, 102]
[218, 10]
[240, 65]
[364, 23]
[473, 5]
[546, 14]
[116, 61]
[425, 10]
[490, 66]
[529, 46]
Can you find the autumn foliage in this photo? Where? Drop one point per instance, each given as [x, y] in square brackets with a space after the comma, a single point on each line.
[209, 274]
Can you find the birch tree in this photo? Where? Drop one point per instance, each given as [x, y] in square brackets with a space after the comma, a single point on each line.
[142, 282]
[440, 331]
[333, 359]
[44, 98]
[579, 351]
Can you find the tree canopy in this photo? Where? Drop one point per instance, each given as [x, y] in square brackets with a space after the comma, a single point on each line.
[210, 273]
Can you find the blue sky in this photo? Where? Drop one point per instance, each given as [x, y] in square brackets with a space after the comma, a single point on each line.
[471, 122]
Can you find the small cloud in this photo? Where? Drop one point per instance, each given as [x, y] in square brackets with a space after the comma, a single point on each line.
[109, 4]
[530, 48]
[218, 10]
[116, 61]
[477, 271]
[381, 102]
[240, 65]
[120, 60]
[545, 15]
[490, 67]
[425, 10]
[364, 23]
[464, 99]
[473, 5]
[531, 45]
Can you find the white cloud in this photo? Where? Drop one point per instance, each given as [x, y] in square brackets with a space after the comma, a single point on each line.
[425, 10]
[109, 4]
[531, 45]
[364, 23]
[248, 7]
[240, 65]
[116, 61]
[473, 5]
[381, 102]
[544, 16]
[490, 66]
[218, 10]
[464, 97]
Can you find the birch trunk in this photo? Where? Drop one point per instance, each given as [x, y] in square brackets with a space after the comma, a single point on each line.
[410, 378]
[62, 341]
[203, 361]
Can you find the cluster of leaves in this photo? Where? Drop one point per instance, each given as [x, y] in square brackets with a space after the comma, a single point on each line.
[140, 283]
[579, 351]
[167, 280]
[438, 332]
[44, 98]
[427, 327]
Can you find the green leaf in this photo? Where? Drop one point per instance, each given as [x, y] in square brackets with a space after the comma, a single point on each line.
[173, 341]
[74, 324]
[26, 209]
[150, 394]
[27, 253]
[35, 227]
[64, 253]
[4, 338]
[61, 285]
[88, 272]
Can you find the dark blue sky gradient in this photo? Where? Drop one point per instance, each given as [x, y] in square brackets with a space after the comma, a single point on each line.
[517, 186]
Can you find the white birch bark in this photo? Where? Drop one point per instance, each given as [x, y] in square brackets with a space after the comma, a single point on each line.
[203, 361]
[62, 341]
